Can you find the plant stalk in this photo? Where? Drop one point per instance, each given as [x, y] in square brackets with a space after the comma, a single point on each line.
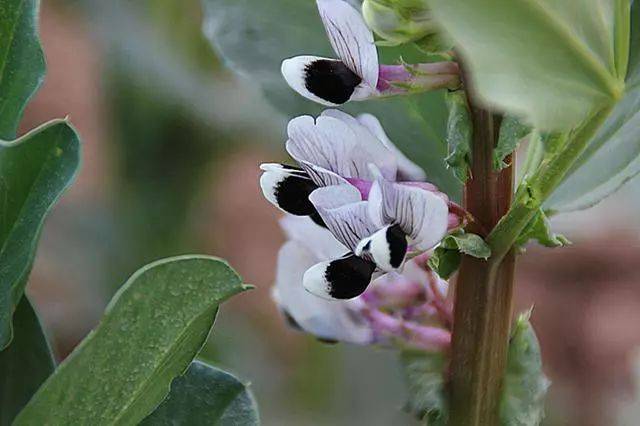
[482, 314]
[483, 300]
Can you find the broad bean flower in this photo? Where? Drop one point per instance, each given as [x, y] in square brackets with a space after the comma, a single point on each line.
[357, 74]
[350, 179]
[409, 310]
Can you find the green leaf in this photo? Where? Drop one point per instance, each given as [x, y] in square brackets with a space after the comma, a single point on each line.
[151, 331]
[205, 395]
[424, 374]
[24, 365]
[34, 171]
[561, 60]
[525, 385]
[539, 229]
[22, 64]
[467, 243]
[254, 37]
[512, 131]
[613, 156]
[459, 135]
[445, 262]
[446, 258]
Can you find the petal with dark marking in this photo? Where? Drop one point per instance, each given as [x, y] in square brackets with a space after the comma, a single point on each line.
[387, 247]
[343, 213]
[328, 320]
[421, 214]
[350, 38]
[343, 278]
[325, 81]
[288, 188]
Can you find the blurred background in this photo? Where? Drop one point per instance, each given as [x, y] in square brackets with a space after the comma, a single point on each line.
[171, 147]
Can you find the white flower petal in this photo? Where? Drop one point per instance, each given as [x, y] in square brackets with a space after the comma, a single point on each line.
[337, 145]
[343, 213]
[421, 214]
[320, 241]
[387, 247]
[376, 149]
[351, 39]
[332, 320]
[407, 169]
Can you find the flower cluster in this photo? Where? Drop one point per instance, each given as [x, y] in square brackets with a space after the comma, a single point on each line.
[351, 182]
[360, 215]
[410, 310]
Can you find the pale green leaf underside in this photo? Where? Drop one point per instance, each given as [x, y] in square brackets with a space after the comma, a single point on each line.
[525, 385]
[21, 61]
[24, 365]
[459, 130]
[552, 62]
[151, 331]
[205, 395]
[34, 171]
[425, 376]
[512, 131]
[613, 156]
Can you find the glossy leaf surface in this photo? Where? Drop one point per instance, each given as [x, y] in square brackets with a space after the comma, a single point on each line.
[151, 331]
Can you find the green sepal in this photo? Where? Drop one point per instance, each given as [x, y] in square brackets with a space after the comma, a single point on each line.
[512, 131]
[525, 384]
[424, 375]
[444, 262]
[539, 229]
[458, 134]
[446, 259]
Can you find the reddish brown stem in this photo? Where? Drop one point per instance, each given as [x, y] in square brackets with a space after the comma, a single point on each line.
[482, 309]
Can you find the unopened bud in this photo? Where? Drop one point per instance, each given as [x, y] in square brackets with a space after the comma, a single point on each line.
[399, 21]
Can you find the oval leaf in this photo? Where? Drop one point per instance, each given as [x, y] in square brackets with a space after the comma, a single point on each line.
[205, 395]
[254, 37]
[22, 64]
[560, 61]
[34, 171]
[152, 329]
[24, 365]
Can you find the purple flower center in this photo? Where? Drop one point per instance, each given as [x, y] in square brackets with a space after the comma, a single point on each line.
[364, 186]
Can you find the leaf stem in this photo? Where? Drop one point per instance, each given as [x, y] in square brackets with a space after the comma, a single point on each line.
[540, 186]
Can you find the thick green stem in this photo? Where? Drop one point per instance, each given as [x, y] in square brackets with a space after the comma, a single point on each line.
[483, 290]
[540, 186]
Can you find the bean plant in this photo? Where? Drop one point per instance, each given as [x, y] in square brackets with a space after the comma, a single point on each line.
[428, 143]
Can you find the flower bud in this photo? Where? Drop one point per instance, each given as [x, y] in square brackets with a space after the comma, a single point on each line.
[399, 21]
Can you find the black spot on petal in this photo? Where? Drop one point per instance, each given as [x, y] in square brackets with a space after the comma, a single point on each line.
[292, 195]
[349, 276]
[398, 245]
[331, 80]
[317, 219]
